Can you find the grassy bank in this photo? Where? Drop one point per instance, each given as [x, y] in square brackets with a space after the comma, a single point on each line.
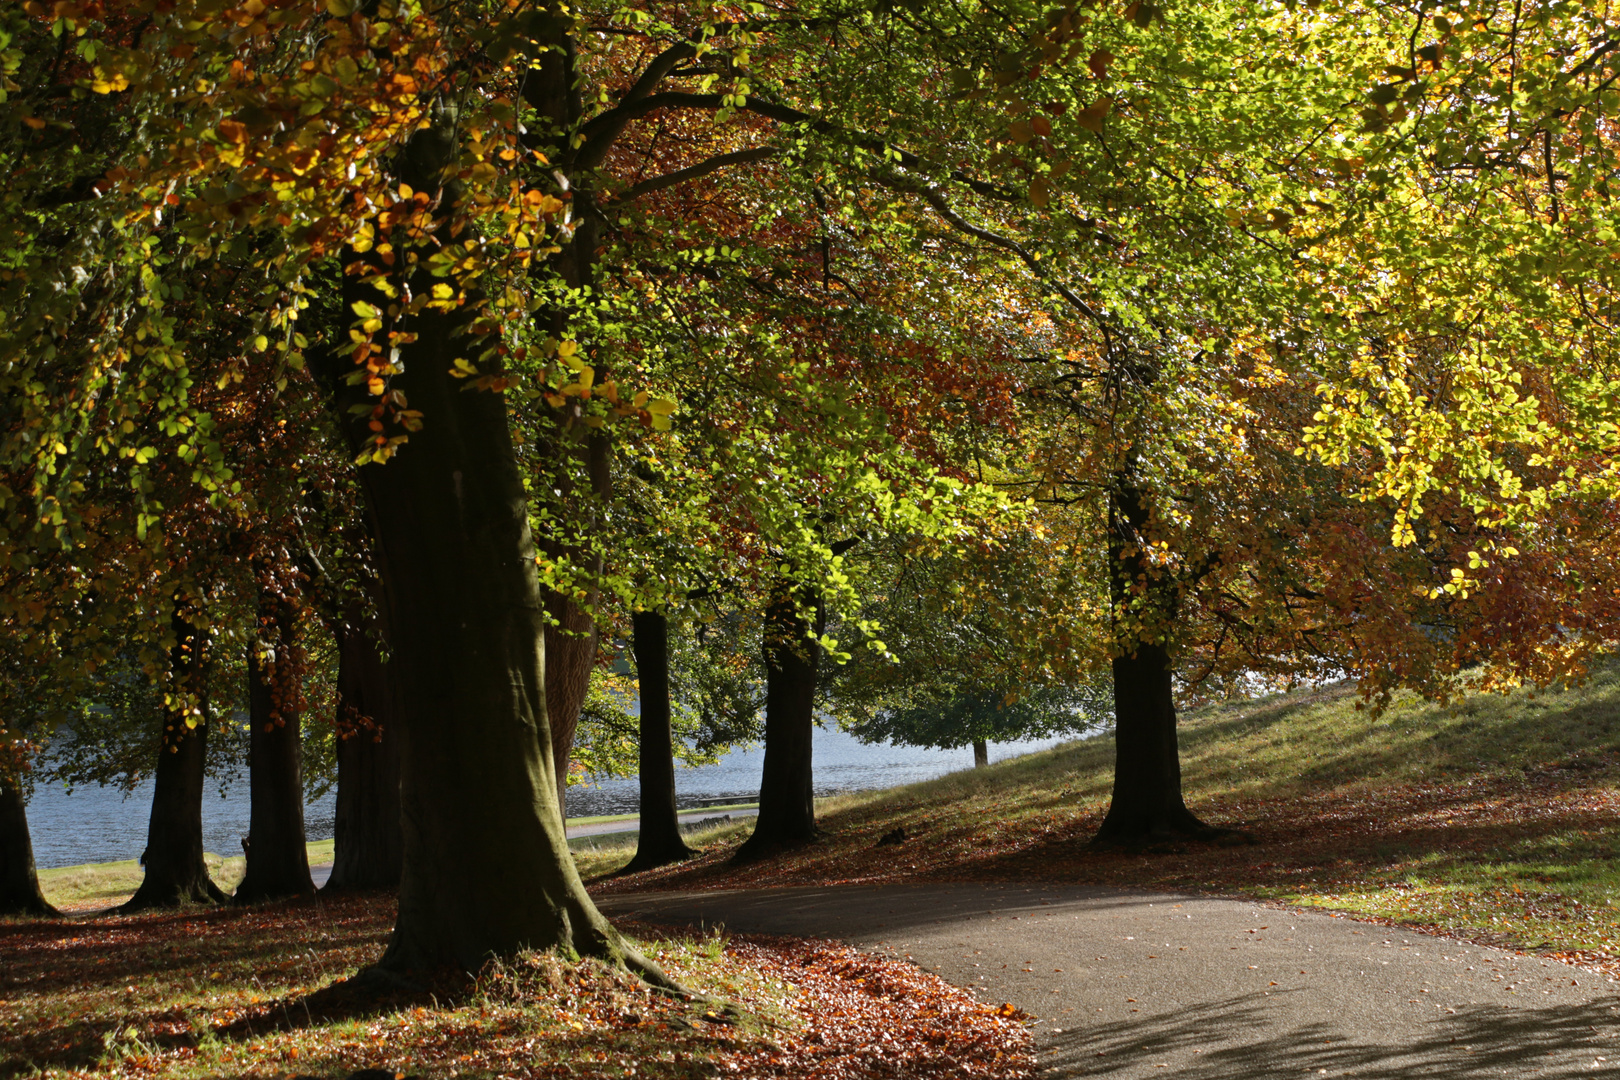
[1494, 817]
[95, 886]
[257, 992]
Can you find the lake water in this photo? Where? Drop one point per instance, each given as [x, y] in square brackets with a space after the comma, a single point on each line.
[102, 825]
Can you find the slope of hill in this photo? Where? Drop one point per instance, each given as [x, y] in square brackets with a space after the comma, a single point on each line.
[1493, 817]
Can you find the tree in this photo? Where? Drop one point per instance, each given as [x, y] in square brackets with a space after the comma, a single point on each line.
[19, 884]
[369, 841]
[495, 189]
[277, 858]
[659, 840]
[176, 872]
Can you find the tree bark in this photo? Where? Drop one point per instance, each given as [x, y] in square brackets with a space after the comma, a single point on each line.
[981, 754]
[19, 882]
[659, 842]
[570, 656]
[1146, 806]
[176, 872]
[787, 811]
[1147, 802]
[277, 860]
[370, 843]
[487, 871]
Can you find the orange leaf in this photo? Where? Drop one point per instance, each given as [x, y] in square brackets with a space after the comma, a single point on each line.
[1091, 117]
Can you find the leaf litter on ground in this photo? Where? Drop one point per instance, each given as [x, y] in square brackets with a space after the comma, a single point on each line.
[259, 992]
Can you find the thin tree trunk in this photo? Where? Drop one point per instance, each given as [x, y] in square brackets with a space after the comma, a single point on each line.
[787, 811]
[176, 872]
[1147, 805]
[570, 656]
[19, 882]
[981, 754]
[277, 860]
[660, 840]
[487, 869]
[370, 844]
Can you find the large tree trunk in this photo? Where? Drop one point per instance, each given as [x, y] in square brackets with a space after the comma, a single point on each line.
[370, 843]
[787, 810]
[487, 871]
[176, 872]
[1147, 805]
[981, 754]
[19, 882]
[277, 859]
[660, 840]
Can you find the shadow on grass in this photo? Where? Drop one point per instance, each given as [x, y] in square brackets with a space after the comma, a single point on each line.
[84, 981]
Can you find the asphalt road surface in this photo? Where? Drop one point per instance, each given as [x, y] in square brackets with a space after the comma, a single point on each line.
[1128, 985]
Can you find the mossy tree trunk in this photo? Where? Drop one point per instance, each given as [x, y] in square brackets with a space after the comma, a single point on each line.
[659, 842]
[19, 881]
[486, 871]
[176, 871]
[787, 810]
[277, 860]
[370, 845]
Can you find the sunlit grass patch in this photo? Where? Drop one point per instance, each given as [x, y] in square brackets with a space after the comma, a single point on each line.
[96, 886]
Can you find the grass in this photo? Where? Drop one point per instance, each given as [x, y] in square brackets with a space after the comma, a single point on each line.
[1494, 817]
[607, 852]
[94, 886]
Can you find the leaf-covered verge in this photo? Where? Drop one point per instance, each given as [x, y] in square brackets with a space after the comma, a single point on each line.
[255, 993]
[1493, 818]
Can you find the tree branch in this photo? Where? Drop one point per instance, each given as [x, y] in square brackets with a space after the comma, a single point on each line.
[601, 131]
[692, 172]
[936, 199]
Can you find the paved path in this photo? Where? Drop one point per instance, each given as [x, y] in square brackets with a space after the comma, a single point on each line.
[1128, 985]
[686, 817]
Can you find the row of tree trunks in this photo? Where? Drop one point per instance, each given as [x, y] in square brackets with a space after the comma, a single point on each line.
[19, 882]
[369, 844]
[660, 841]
